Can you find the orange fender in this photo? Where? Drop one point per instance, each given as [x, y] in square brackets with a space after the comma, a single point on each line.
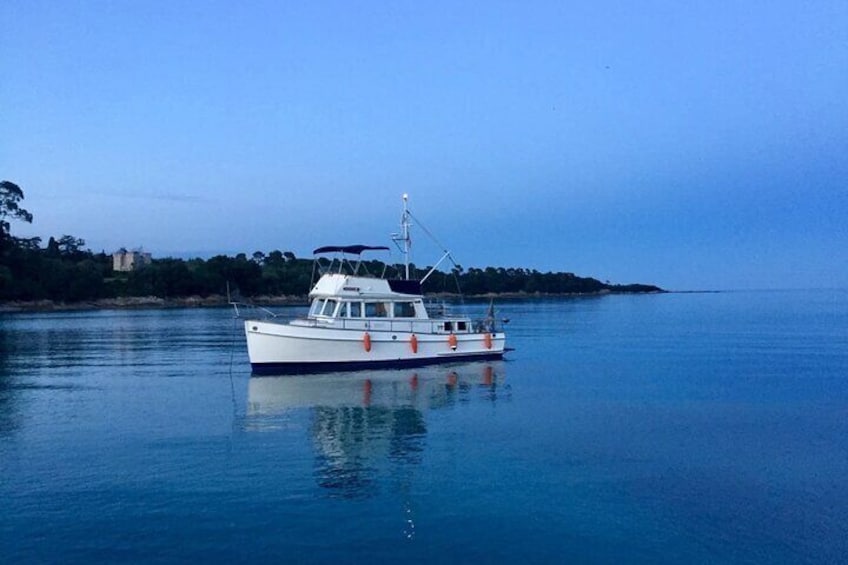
[413, 343]
[487, 340]
[366, 341]
[452, 341]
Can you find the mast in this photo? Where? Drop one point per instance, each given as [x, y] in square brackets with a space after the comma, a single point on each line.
[403, 236]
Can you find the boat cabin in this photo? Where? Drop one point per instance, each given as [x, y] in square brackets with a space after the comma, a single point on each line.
[346, 308]
[350, 302]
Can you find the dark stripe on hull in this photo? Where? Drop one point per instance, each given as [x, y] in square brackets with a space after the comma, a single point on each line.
[306, 368]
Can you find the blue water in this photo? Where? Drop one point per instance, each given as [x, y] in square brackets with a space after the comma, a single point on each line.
[708, 428]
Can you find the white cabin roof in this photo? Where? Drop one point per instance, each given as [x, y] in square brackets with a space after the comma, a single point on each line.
[348, 286]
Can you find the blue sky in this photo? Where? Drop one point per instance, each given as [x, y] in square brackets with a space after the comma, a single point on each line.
[688, 144]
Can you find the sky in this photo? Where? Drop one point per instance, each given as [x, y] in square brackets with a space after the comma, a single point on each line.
[692, 145]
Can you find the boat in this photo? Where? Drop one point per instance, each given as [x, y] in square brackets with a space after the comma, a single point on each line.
[360, 321]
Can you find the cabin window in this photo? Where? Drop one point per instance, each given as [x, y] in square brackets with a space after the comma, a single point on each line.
[461, 327]
[329, 308]
[404, 309]
[317, 304]
[448, 326]
[375, 310]
[354, 309]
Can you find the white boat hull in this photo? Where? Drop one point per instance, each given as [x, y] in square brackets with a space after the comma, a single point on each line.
[279, 347]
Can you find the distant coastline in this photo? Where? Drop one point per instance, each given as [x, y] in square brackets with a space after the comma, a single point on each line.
[64, 276]
[218, 301]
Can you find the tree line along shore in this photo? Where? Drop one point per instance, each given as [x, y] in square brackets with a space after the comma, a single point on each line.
[63, 274]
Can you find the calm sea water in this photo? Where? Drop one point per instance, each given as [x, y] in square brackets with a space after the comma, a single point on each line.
[707, 428]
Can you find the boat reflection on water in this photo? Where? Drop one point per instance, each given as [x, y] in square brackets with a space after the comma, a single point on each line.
[370, 424]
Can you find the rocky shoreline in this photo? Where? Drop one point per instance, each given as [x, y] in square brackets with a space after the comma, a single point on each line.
[135, 302]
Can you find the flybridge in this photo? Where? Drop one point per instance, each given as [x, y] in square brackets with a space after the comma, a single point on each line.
[402, 240]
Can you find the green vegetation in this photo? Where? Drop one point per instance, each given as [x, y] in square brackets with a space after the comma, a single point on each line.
[64, 271]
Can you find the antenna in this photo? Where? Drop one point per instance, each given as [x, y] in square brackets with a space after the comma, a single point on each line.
[405, 222]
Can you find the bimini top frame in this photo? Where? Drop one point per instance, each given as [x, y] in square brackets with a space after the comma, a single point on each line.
[344, 250]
